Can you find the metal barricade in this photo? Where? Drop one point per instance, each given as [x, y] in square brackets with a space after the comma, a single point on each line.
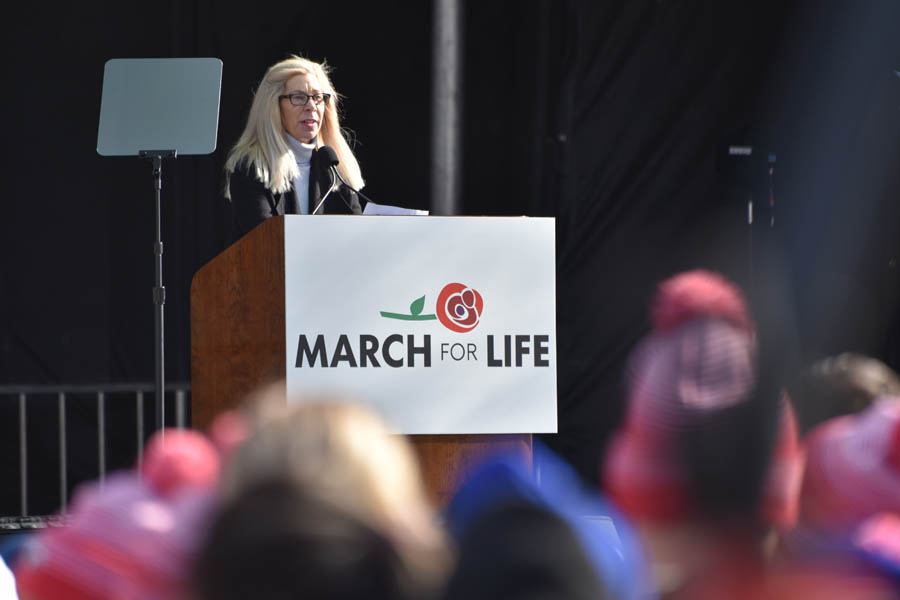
[176, 393]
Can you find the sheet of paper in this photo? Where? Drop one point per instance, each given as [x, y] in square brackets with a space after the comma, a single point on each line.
[384, 209]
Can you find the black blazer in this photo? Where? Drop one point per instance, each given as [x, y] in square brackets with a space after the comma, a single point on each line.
[252, 202]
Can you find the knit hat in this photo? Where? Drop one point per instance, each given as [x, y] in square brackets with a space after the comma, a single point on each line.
[507, 546]
[127, 537]
[853, 469]
[182, 458]
[699, 361]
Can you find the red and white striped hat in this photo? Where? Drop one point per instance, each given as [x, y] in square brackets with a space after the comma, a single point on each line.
[130, 537]
[699, 358]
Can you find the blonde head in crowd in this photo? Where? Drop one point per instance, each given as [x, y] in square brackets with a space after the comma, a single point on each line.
[345, 454]
[262, 144]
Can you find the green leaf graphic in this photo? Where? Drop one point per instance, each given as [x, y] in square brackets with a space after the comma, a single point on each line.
[416, 307]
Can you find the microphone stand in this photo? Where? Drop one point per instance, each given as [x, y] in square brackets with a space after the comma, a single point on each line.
[332, 161]
[335, 172]
[330, 189]
[363, 196]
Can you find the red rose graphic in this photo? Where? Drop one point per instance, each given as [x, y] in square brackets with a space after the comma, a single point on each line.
[459, 307]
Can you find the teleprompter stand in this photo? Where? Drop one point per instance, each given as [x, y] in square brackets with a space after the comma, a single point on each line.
[170, 103]
[159, 292]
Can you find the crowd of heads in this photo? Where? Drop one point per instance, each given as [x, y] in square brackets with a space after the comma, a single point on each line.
[316, 499]
[731, 496]
[726, 479]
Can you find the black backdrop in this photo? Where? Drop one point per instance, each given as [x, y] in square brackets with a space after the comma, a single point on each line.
[611, 116]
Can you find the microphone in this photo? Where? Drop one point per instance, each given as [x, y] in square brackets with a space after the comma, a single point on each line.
[329, 157]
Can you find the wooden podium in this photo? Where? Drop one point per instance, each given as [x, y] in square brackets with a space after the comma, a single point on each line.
[238, 344]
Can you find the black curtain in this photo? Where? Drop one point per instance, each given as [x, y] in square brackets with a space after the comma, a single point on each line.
[614, 117]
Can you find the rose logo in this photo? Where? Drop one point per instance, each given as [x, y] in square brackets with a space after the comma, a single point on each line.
[459, 307]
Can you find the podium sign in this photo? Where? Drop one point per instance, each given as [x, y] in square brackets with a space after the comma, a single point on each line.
[443, 324]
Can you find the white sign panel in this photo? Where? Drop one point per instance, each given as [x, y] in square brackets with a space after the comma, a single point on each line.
[443, 324]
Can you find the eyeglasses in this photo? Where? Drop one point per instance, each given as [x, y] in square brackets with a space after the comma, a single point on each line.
[301, 99]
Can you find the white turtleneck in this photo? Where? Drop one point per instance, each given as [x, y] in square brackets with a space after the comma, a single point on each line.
[302, 154]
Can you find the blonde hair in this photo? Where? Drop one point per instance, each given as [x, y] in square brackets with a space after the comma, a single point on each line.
[344, 454]
[263, 145]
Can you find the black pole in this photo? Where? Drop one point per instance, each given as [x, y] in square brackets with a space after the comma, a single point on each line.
[159, 292]
[446, 103]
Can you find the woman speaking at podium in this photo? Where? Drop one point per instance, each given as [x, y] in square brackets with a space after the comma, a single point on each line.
[277, 166]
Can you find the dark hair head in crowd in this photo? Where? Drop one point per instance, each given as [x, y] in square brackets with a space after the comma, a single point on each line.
[556, 539]
[840, 385]
[522, 550]
[274, 540]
